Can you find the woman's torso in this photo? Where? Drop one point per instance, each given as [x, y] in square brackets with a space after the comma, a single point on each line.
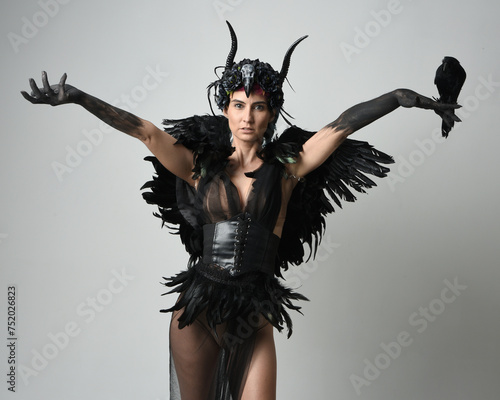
[263, 193]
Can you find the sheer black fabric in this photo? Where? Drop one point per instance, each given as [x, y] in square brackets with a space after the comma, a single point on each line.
[218, 316]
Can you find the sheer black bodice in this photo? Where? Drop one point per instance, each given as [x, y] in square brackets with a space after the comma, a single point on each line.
[217, 199]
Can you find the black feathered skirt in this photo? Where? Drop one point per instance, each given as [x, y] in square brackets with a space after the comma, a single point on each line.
[232, 310]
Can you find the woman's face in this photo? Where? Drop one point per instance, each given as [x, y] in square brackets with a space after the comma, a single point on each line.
[248, 116]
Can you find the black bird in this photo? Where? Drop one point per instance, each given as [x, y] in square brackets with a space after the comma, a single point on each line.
[450, 77]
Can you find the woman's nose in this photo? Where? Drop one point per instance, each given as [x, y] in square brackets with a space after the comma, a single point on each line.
[248, 116]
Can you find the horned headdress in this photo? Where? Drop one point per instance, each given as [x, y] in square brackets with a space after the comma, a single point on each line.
[248, 73]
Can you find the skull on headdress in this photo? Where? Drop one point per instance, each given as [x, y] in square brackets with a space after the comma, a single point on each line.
[248, 73]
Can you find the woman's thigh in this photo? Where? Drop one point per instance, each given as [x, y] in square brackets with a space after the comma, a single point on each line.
[194, 352]
[261, 379]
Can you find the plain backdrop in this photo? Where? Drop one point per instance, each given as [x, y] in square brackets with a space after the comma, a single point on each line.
[404, 299]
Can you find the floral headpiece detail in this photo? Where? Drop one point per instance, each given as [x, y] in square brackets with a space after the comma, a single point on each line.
[247, 73]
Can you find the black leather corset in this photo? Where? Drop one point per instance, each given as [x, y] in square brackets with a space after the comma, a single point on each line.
[240, 245]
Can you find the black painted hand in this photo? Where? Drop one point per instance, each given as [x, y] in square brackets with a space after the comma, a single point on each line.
[448, 116]
[409, 98]
[53, 95]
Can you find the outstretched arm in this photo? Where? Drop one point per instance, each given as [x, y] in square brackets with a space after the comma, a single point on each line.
[322, 144]
[178, 159]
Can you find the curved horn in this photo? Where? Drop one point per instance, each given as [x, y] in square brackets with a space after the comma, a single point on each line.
[234, 47]
[286, 60]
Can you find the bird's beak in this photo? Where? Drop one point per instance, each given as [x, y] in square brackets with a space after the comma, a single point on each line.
[247, 84]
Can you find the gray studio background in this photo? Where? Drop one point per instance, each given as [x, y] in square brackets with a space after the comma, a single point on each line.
[404, 293]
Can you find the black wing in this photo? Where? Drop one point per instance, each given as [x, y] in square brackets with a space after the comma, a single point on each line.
[165, 191]
[334, 181]
[208, 137]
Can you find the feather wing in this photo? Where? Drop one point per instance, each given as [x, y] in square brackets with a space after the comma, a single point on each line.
[208, 137]
[337, 179]
[345, 172]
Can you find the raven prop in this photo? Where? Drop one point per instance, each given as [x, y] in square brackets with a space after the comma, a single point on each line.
[450, 77]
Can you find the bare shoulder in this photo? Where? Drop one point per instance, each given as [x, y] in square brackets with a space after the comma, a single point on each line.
[317, 149]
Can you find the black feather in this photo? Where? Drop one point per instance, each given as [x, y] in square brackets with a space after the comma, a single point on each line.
[311, 200]
[223, 301]
[336, 180]
[449, 79]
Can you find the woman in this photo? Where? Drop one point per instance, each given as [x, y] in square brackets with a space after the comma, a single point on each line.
[245, 205]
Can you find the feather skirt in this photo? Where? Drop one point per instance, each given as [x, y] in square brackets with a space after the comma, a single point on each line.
[241, 306]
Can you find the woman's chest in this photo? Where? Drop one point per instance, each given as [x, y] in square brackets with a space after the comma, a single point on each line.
[258, 193]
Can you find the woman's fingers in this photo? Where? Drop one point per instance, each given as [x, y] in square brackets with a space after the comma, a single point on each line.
[62, 82]
[28, 97]
[46, 86]
[46, 94]
[447, 106]
[452, 115]
[35, 91]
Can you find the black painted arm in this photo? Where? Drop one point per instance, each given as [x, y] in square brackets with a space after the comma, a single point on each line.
[365, 113]
[64, 94]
